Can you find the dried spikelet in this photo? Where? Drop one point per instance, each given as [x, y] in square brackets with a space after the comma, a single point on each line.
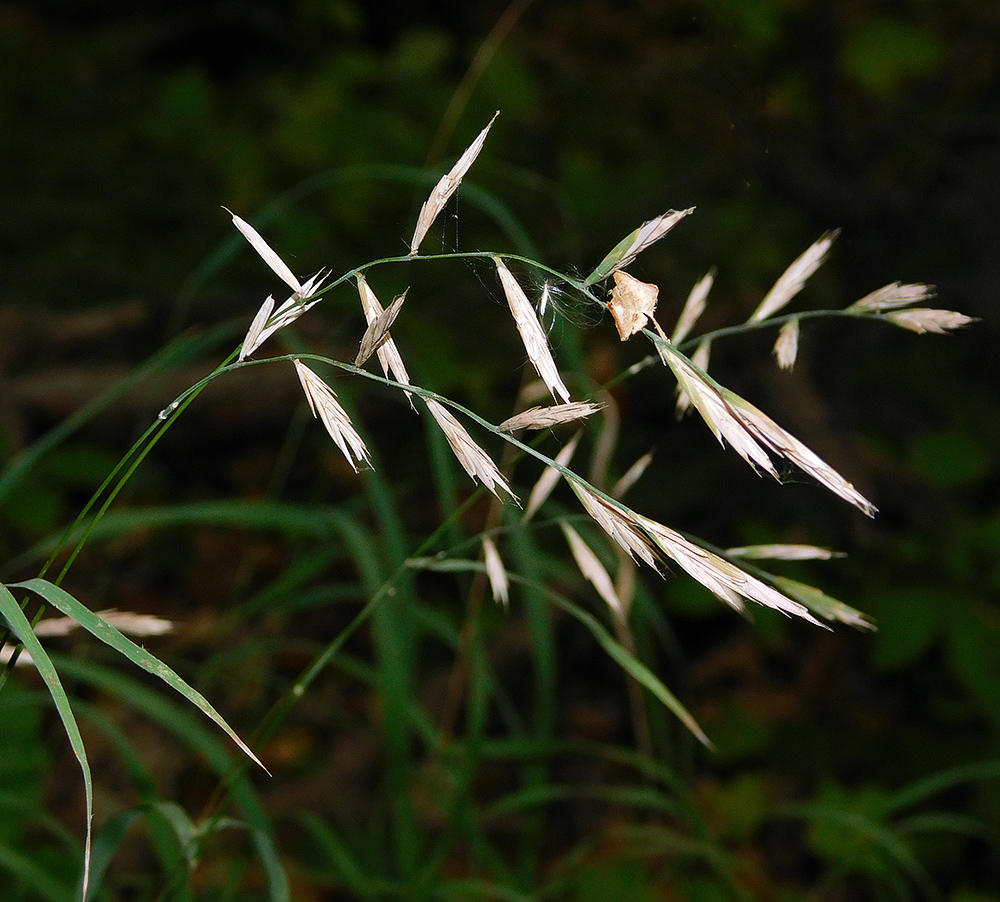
[791, 281]
[709, 402]
[786, 347]
[532, 334]
[446, 187]
[323, 403]
[377, 332]
[822, 604]
[550, 476]
[631, 475]
[387, 352]
[267, 254]
[721, 577]
[265, 324]
[593, 571]
[546, 417]
[632, 303]
[783, 552]
[700, 359]
[694, 306]
[474, 460]
[763, 428]
[623, 526]
[891, 297]
[499, 583]
[746, 429]
[927, 319]
[623, 253]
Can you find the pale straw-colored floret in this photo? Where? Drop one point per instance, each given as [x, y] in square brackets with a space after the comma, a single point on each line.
[547, 417]
[474, 460]
[694, 306]
[499, 584]
[621, 524]
[532, 334]
[623, 253]
[266, 322]
[891, 297]
[783, 552]
[444, 189]
[786, 346]
[723, 578]
[749, 431]
[377, 333]
[791, 281]
[267, 254]
[709, 402]
[323, 403]
[632, 475]
[387, 352]
[593, 571]
[788, 446]
[550, 476]
[927, 319]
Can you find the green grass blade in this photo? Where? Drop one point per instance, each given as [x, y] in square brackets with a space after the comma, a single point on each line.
[12, 613]
[190, 729]
[65, 603]
[632, 666]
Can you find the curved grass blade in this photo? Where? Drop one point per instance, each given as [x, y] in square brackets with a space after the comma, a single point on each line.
[190, 730]
[20, 626]
[633, 666]
[65, 603]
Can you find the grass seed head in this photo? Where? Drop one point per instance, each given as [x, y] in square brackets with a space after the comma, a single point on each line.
[474, 460]
[532, 334]
[444, 189]
[323, 403]
[794, 278]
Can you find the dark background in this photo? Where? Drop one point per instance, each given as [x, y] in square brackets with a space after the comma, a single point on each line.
[125, 127]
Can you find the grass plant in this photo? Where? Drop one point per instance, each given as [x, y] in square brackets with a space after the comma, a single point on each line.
[514, 545]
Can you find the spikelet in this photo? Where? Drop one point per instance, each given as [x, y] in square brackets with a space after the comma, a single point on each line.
[446, 187]
[762, 427]
[927, 319]
[547, 417]
[791, 281]
[388, 354]
[623, 253]
[786, 346]
[694, 306]
[736, 421]
[377, 333]
[530, 329]
[621, 524]
[700, 359]
[891, 297]
[783, 552]
[593, 571]
[550, 476]
[474, 460]
[499, 584]
[323, 403]
[723, 578]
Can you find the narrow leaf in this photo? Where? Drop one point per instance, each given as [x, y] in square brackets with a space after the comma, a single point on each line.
[62, 601]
